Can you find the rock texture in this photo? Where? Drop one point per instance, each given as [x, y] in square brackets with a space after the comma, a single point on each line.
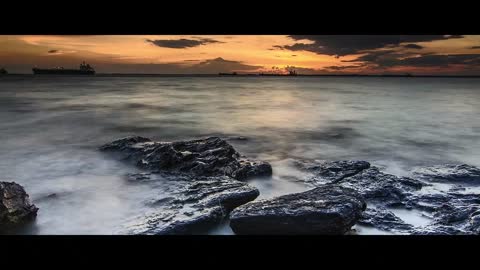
[453, 173]
[212, 156]
[15, 206]
[194, 183]
[324, 210]
[455, 211]
[186, 205]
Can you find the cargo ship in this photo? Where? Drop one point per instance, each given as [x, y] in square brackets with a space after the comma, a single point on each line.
[85, 69]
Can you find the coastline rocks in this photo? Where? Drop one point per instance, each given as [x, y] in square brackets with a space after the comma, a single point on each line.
[381, 188]
[212, 156]
[15, 205]
[333, 171]
[187, 205]
[453, 213]
[369, 181]
[329, 209]
[383, 219]
[453, 173]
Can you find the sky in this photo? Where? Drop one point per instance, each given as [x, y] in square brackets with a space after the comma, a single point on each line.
[199, 54]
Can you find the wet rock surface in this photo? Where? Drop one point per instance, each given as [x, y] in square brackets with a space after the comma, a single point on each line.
[453, 173]
[384, 219]
[199, 187]
[194, 183]
[332, 171]
[15, 206]
[186, 205]
[329, 209]
[212, 156]
[451, 212]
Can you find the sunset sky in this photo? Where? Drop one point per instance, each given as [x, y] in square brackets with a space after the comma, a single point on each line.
[193, 54]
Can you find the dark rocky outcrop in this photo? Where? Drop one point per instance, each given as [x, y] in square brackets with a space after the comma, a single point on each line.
[329, 209]
[193, 183]
[15, 206]
[452, 212]
[212, 156]
[369, 181]
[332, 171]
[453, 173]
[187, 205]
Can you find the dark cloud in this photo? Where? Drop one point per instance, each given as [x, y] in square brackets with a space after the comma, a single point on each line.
[294, 55]
[391, 58]
[341, 45]
[439, 60]
[413, 46]
[341, 68]
[53, 51]
[475, 47]
[182, 43]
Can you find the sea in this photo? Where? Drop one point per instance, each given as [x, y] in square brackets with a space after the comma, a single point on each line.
[51, 128]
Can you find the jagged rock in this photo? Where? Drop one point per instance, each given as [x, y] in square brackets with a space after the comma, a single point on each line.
[187, 205]
[453, 213]
[454, 173]
[381, 188]
[333, 171]
[329, 209]
[212, 156]
[383, 219]
[438, 229]
[15, 205]
[369, 181]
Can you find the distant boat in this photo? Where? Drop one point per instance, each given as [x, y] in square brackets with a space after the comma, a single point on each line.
[85, 69]
[3, 71]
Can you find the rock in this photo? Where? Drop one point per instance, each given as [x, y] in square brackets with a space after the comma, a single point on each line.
[453, 212]
[455, 173]
[187, 205]
[212, 156]
[333, 171]
[329, 209]
[383, 219]
[436, 229]
[15, 206]
[369, 181]
[381, 188]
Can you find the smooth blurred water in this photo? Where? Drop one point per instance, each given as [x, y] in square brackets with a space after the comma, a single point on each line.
[50, 128]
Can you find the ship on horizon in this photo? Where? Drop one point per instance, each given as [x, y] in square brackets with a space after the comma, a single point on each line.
[85, 69]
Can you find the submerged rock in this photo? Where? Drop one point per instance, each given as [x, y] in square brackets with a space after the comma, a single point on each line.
[187, 205]
[15, 205]
[329, 209]
[453, 173]
[212, 156]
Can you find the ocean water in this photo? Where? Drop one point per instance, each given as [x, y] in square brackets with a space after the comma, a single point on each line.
[51, 127]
